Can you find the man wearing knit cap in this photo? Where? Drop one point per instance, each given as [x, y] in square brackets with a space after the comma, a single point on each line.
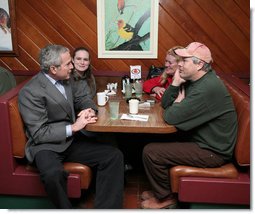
[198, 104]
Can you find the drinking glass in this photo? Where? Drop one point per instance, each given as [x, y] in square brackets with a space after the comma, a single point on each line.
[114, 109]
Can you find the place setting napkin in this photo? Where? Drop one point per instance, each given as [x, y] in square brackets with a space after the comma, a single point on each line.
[138, 117]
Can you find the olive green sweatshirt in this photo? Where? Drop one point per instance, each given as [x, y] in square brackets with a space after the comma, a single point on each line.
[207, 112]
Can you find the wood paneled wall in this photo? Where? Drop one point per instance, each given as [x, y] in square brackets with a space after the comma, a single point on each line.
[223, 25]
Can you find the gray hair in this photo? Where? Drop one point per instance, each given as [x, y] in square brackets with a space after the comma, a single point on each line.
[51, 56]
[206, 67]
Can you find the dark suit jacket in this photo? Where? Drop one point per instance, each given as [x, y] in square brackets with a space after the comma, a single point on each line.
[46, 112]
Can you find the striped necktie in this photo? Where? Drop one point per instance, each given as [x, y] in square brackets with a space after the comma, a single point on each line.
[60, 87]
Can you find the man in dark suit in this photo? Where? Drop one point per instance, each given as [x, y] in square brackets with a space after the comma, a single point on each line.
[47, 105]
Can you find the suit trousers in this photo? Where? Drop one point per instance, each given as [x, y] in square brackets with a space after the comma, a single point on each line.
[159, 157]
[105, 159]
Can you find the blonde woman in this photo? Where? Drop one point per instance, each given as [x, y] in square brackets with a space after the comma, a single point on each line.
[156, 86]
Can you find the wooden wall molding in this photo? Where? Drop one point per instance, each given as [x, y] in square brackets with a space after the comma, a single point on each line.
[223, 25]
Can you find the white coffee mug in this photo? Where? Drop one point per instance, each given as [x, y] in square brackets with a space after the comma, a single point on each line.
[133, 106]
[102, 98]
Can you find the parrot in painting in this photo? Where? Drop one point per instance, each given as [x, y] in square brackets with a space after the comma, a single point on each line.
[4, 21]
[130, 34]
[121, 6]
[125, 31]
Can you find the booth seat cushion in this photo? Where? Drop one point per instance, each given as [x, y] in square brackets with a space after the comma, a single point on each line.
[216, 191]
[83, 170]
[225, 171]
[73, 168]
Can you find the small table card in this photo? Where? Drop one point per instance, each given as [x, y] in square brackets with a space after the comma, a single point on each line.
[135, 72]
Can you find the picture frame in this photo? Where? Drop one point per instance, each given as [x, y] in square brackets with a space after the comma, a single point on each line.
[127, 29]
[8, 34]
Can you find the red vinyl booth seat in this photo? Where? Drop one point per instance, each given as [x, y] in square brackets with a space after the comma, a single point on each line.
[16, 176]
[230, 183]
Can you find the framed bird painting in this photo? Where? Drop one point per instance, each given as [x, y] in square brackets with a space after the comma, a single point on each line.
[127, 28]
[8, 41]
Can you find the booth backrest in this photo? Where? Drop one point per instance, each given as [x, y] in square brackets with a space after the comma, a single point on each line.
[18, 136]
[242, 105]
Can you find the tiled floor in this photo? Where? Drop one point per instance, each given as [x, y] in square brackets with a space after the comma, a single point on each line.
[136, 183]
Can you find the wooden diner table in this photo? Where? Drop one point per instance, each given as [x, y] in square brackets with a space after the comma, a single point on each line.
[155, 123]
